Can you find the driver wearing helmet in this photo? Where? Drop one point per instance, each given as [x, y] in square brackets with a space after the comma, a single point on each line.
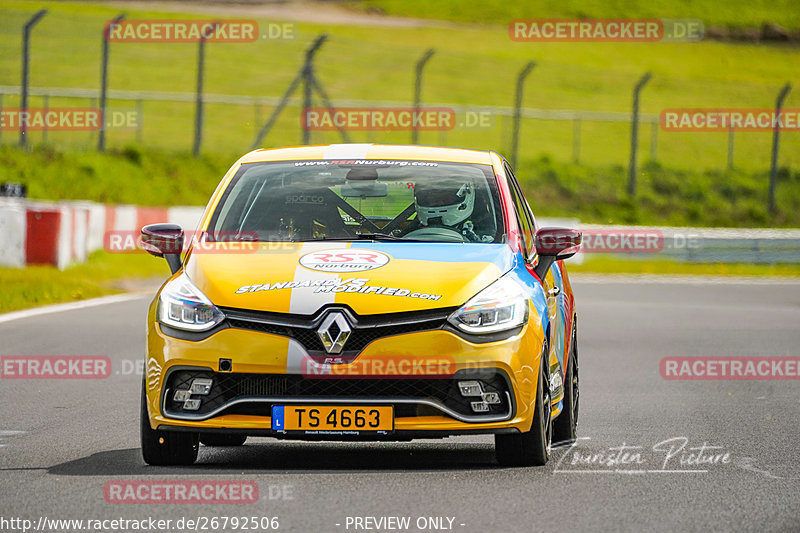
[447, 205]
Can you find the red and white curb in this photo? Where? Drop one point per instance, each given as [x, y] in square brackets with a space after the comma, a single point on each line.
[62, 233]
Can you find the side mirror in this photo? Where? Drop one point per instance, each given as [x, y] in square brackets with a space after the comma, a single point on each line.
[555, 244]
[164, 240]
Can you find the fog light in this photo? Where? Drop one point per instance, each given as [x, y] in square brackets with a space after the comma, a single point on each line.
[480, 407]
[191, 405]
[470, 388]
[491, 398]
[201, 386]
[182, 395]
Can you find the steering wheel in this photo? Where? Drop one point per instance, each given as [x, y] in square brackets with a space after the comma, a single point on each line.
[435, 234]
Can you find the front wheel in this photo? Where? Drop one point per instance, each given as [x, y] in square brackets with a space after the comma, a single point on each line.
[165, 448]
[565, 428]
[531, 448]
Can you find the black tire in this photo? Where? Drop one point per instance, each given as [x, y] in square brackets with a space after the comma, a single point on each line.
[533, 447]
[165, 448]
[565, 427]
[220, 439]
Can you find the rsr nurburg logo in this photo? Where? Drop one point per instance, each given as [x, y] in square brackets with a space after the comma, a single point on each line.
[344, 260]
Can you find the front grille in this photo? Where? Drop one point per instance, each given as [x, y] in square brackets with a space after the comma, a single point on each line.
[365, 328]
[228, 387]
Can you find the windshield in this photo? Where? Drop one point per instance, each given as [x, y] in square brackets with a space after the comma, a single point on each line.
[353, 200]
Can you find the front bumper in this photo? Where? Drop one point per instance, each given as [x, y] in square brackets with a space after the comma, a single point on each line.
[269, 369]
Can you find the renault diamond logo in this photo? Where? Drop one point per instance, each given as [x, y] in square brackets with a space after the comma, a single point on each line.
[334, 331]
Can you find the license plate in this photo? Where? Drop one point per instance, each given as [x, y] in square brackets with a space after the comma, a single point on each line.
[329, 418]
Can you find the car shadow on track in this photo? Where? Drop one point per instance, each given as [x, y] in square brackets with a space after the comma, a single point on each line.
[296, 457]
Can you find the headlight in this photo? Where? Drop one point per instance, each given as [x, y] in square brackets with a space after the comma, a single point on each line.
[183, 306]
[501, 306]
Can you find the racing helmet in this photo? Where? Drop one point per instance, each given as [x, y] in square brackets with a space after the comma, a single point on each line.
[450, 201]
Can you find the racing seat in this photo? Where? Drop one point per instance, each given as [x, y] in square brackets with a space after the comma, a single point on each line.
[296, 214]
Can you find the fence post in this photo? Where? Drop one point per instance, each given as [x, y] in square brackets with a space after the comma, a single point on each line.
[93, 105]
[1, 109]
[635, 133]
[730, 148]
[307, 101]
[46, 105]
[198, 117]
[518, 110]
[773, 171]
[418, 91]
[326, 101]
[301, 75]
[308, 81]
[101, 139]
[26, 39]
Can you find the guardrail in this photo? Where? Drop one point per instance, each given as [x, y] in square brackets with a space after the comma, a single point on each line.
[65, 233]
[705, 245]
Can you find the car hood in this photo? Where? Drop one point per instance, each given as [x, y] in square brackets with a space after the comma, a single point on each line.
[368, 277]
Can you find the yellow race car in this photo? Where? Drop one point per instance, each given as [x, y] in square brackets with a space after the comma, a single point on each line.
[362, 292]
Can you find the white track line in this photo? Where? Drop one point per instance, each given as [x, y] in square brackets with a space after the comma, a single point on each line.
[8, 433]
[661, 279]
[71, 306]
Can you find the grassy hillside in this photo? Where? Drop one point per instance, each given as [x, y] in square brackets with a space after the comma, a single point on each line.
[732, 13]
[128, 175]
[593, 194]
[473, 65]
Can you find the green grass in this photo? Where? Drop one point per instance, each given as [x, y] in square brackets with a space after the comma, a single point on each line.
[616, 265]
[103, 274]
[127, 175]
[592, 194]
[732, 13]
[473, 65]
[665, 196]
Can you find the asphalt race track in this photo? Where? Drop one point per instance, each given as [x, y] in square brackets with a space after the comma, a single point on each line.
[62, 440]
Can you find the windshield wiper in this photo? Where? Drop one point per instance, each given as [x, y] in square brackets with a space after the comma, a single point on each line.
[371, 236]
[366, 236]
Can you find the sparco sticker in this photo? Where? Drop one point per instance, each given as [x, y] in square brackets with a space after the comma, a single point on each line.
[344, 260]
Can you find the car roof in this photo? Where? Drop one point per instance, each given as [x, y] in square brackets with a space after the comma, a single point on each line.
[372, 151]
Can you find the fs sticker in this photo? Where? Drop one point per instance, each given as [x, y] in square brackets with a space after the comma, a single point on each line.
[344, 260]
